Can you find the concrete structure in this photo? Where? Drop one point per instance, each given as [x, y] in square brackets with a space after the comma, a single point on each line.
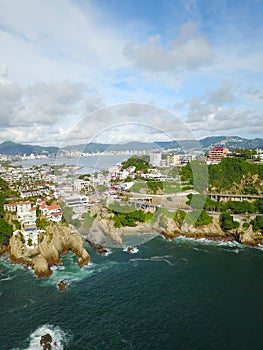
[216, 154]
[155, 158]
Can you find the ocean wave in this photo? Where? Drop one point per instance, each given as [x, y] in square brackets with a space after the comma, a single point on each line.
[162, 258]
[59, 338]
[73, 274]
[8, 278]
[206, 241]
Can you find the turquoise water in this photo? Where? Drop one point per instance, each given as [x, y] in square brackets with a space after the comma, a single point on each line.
[170, 295]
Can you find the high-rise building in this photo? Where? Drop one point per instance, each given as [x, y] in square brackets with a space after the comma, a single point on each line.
[155, 158]
[216, 154]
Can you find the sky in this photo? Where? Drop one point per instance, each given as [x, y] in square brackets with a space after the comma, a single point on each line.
[79, 71]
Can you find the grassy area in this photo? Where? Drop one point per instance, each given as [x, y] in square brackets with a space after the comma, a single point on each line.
[139, 187]
[172, 187]
[88, 220]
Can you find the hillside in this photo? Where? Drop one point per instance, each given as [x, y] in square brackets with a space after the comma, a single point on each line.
[237, 176]
[12, 148]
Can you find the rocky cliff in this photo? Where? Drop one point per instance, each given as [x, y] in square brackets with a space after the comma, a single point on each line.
[104, 227]
[52, 244]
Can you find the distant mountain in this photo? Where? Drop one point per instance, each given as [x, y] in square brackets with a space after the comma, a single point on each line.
[231, 142]
[12, 148]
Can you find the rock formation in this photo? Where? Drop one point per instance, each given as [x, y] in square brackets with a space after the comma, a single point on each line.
[173, 229]
[55, 242]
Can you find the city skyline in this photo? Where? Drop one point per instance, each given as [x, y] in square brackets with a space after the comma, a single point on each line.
[193, 63]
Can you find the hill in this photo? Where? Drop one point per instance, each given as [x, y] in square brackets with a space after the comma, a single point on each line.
[231, 142]
[12, 148]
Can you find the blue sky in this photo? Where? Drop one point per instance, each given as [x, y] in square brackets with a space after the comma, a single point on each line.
[64, 64]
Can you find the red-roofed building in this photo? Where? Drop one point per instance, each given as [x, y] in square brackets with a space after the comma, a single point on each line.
[216, 154]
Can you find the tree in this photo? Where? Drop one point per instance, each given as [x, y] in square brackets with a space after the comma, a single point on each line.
[154, 186]
[257, 223]
[227, 223]
[141, 163]
[196, 173]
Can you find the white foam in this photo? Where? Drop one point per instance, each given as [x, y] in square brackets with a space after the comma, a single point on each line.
[208, 241]
[7, 278]
[131, 249]
[59, 337]
[155, 259]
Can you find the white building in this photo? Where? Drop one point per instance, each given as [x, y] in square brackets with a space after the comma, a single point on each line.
[23, 207]
[155, 158]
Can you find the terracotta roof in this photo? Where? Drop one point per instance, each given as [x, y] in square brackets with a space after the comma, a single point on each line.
[53, 206]
[56, 214]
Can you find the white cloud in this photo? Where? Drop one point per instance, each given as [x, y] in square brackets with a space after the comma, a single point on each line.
[41, 40]
[222, 95]
[10, 101]
[190, 50]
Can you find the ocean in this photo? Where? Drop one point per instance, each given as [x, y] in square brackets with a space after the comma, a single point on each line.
[180, 294]
[89, 164]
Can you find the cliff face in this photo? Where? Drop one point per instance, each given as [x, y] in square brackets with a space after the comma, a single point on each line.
[56, 241]
[172, 229]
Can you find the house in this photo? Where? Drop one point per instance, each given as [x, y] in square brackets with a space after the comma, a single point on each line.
[10, 207]
[56, 216]
[23, 207]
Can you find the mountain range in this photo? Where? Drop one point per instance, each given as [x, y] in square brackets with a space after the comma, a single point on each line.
[232, 142]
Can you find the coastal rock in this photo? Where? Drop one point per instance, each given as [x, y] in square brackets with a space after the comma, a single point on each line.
[62, 284]
[46, 341]
[250, 237]
[19, 252]
[55, 242]
[40, 266]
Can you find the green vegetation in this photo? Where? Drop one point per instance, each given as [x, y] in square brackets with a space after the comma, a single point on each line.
[84, 177]
[195, 173]
[67, 216]
[199, 201]
[127, 216]
[17, 224]
[180, 216]
[88, 220]
[101, 188]
[257, 223]
[41, 223]
[227, 223]
[139, 187]
[196, 201]
[141, 163]
[6, 229]
[245, 225]
[235, 173]
[155, 186]
[198, 218]
[245, 153]
[238, 207]
[171, 187]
